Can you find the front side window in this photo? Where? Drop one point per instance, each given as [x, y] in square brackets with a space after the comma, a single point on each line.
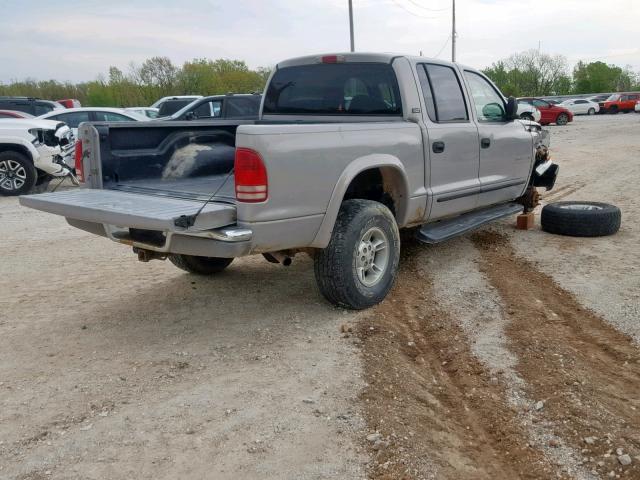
[540, 103]
[208, 109]
[447, 94]
[334, 89]
[489, 104]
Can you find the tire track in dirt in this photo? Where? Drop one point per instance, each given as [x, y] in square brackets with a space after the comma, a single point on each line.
[587, 373]
[438, 413]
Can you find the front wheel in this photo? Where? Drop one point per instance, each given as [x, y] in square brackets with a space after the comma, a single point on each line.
[592, 111]
[526, 116]
[200, 265]
[562, 119]
[17, 174]
[358, 267]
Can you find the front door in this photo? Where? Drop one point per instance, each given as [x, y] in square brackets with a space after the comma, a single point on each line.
[450, 142]
[506, 148]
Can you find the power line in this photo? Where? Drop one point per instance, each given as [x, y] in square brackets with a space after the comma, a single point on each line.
[412, 13]
[426, 8]
[442, 49]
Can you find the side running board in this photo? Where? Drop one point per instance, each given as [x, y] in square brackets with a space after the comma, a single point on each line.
[446, 229]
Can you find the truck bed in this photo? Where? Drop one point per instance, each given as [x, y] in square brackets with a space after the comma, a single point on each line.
[188, 160]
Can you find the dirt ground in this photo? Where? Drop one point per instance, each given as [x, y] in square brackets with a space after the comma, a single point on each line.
[500, 355]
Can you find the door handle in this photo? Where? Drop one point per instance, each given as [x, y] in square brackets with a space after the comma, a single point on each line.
[485, 142]
[437, 147]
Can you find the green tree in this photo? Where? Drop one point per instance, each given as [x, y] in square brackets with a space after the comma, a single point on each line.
[595, 77]
[531, 73]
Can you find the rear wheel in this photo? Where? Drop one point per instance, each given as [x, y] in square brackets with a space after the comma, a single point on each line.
[562, 119]
[17, 174]
[358, 267]
[200, 265]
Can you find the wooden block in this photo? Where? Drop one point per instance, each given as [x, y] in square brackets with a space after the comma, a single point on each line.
[525, 221]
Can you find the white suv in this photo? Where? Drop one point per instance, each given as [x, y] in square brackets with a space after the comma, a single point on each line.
[33, 151]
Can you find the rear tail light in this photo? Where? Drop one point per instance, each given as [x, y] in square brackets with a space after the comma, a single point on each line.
[250, 176]
[78, 157]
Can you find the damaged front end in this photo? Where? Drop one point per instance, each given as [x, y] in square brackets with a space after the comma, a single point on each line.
[544, 173]
[55, 150]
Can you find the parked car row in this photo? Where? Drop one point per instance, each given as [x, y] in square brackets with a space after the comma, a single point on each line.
[549, 113]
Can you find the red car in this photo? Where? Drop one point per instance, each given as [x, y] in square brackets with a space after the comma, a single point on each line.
[620, 102]
[549, 113]
[14, 114]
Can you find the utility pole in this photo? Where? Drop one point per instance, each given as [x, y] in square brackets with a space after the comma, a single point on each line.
[453, 32]
[353, 48]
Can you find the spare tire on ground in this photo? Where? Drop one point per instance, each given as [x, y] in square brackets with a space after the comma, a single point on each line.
[581, 219]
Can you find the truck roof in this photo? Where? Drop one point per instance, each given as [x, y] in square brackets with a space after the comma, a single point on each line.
[358, 57]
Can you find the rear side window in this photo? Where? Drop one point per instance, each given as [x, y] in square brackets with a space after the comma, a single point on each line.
[446, 92]
[334, 89]
[243, 107]
[112, 117]
[72, 119]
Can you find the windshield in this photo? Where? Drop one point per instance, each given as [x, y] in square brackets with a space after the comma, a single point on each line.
[334, 89]
[613, 97]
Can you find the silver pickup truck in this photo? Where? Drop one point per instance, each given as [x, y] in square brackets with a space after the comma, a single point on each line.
[347, 150]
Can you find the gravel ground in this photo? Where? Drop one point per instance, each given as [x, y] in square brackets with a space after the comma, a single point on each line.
[502, 355]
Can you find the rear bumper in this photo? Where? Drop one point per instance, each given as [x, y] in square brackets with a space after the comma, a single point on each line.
[226, 242]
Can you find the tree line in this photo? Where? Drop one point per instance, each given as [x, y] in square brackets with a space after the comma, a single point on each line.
[143, 84]
[529, 73]
[533, 73]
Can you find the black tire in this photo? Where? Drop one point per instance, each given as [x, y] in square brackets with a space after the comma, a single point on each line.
[592, 111]
[200, 265]
[562, 119]
[581, 219]
[17, 174]
[41, 185]
[337, 267]
[613, 110]
[526, 116]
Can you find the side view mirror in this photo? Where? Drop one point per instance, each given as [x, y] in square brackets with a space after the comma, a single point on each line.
[512, 108]
[190, 116]
[493, 112]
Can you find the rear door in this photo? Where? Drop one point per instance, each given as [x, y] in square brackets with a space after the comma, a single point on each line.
[451, 141]
[506, 148]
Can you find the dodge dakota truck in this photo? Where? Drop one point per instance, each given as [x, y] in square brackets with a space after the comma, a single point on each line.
[347, 150]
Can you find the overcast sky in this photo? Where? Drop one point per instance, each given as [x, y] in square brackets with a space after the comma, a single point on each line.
[79, 39]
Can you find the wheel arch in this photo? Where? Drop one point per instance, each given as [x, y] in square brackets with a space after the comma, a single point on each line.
[17, 147]
[394, 188]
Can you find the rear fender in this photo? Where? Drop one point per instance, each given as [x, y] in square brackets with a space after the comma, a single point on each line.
[394, 180]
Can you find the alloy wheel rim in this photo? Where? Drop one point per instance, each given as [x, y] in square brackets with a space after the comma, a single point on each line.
[12, 175]
[581, 206]
[372, 257]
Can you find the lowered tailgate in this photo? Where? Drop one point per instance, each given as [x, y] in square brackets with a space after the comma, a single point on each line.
[132, 210]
